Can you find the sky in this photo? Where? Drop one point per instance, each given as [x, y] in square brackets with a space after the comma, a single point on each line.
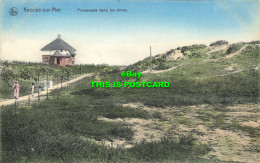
[122, 38]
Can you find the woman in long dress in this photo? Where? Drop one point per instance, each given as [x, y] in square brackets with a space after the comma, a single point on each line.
[16, 88]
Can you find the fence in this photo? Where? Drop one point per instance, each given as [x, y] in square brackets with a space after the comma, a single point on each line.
[42, 95]
[22, 62]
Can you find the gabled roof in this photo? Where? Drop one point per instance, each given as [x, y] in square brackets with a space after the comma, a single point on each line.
[59, 44]
[72, 52]
[58, 54]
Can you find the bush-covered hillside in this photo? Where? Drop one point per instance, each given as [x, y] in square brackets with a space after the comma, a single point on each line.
[191, 121]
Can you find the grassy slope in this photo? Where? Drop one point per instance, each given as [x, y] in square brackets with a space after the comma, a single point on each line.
[54, 129]
[204, 82]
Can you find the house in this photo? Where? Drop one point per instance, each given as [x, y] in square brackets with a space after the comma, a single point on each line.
[58, 53]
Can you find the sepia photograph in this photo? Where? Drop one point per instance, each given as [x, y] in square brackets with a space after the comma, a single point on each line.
[136, 81]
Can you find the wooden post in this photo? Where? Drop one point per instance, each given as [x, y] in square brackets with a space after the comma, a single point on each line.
[151, 58]
[60, 82]
[38, 87]
[150, 52]
[30, 91]
[47, 85]
[29, 99]
[15, 103]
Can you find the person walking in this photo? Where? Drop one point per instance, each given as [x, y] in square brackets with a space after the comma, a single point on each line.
[50, 84]
[44, 84]
[32, 89]
[16, 88]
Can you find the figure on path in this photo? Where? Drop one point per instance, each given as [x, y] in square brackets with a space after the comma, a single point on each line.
[32, 89]
[50, 84]
[16, 88]
[44, 84]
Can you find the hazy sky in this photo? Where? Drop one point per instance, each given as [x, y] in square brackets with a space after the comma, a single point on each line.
[124, 37]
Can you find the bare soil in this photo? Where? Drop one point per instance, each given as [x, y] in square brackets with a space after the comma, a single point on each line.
[226, 144]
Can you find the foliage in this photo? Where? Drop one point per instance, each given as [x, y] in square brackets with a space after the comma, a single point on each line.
[157, 114]
[219, 42]
[59, 129]
[234, 48]
[193, 47]
[254, 42]
[5, 89]
[170, 149]
[217, 54]
[194, 51]
[53, 130]
[162, 66]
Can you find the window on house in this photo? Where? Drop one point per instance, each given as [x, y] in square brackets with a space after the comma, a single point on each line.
[46, 59]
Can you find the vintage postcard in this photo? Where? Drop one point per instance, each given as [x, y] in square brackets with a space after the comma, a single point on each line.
[129, 81]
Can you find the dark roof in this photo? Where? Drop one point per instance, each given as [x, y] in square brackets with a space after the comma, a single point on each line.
[58, 54]
[59, 44]
[72, 52]
[67, 55]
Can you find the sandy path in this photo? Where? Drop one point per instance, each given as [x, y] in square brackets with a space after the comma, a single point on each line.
[236, 53]
[218, 48]
[43, 93]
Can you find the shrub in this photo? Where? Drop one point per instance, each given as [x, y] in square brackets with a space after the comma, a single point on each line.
[157, 114]
[217, 54]
[255, 42]
[170, 149]
[125, 132]
[218, 43]
[194, 51]
[111, 111]
[234, 48]
[162, 67]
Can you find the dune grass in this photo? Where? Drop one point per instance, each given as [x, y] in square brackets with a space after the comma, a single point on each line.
[52, 130]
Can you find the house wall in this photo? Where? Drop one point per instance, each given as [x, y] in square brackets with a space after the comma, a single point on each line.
[54, 60]
[51, 60]
[65, 61]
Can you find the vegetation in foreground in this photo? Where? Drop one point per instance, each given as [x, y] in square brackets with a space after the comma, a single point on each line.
[54, 130]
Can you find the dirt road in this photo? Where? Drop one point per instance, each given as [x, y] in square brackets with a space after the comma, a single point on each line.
[34, 97]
